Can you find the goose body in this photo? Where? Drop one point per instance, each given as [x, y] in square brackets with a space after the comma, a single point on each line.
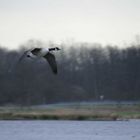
[45, 53]
[39, 52]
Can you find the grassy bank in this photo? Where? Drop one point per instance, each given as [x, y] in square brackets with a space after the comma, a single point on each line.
[75, 112]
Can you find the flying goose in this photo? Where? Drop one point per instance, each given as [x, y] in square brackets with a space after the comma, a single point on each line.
[45, 53]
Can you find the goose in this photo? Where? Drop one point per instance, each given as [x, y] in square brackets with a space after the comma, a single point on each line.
[45, 53]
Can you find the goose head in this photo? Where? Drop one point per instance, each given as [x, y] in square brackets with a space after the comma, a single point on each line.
[54, 49]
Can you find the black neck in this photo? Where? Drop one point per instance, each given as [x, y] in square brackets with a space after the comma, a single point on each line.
[52, 49]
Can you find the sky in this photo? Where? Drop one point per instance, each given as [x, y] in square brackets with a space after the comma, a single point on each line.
[95, 21]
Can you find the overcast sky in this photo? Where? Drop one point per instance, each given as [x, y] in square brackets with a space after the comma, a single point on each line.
[102, 21]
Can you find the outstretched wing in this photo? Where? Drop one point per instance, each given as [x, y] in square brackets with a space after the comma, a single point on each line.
[23, 56]
[35, 51]
[19, 60]
[52, 62]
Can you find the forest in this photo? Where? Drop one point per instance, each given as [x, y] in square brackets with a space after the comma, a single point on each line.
[86, 72]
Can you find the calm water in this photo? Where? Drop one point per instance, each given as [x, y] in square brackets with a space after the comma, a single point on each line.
[70, 130]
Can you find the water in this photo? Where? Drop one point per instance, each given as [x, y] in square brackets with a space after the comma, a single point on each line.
[70, 130]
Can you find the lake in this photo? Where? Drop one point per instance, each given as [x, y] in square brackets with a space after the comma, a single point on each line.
[70, 130]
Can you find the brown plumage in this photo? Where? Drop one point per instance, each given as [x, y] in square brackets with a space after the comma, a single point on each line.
[52, 62]
[36, 51]
[45, 53]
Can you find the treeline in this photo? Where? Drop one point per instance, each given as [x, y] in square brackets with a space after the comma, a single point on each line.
[84, 74]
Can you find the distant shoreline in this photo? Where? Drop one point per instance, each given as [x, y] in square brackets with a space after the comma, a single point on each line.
[81, 112]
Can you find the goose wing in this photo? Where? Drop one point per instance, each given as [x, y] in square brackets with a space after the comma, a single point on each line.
[52, 62]
[22, 57]
[35, 51]
[19, 60]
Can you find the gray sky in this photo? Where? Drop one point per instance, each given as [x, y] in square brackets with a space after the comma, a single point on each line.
[102, 21]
